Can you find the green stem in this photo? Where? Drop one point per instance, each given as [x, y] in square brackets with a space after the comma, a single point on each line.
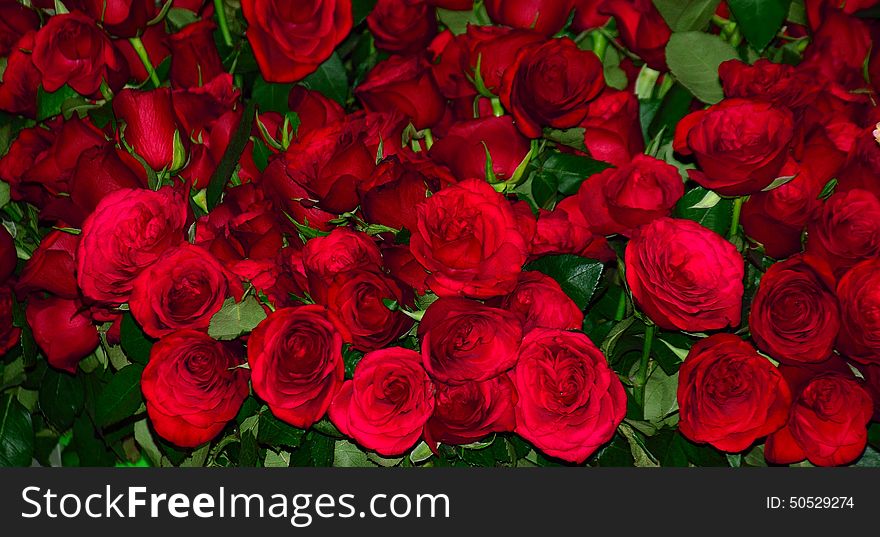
[138, 46]
[106, 92]
[497, 109]
[642, 376]
[600, 43]
[734, 223]
[621, 307]
[221, 20]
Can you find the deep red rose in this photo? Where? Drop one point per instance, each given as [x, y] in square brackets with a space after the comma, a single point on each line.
[795, 316]
[565, 230]
[402, 265]
[740, 145]
[18, 89]
[198, 109]
[342, 251]
[544, 16]
[62, 329]
[292, 200]
[356, 300]
[468, 145]
[122, 18]
[468, 412]
[611, 128]
[495, 48]
[392, 193]
[587, 16]
[729, 395]
[827, 424]
[570, 401]
[8, 256]
[684, 276]
[207, 153]
[642, 29]
[386, 404]
[314, 110]
[449, 63]
[99, 171]
[193, 386]
[618, 200]
[194, 57]
[129, 230]
[838, 49]
[405, 84]
[10, 335]
[291, 39]
[846, 230]
[551, 85]
[776, 219]
[859, 295]
[71, 49]
[16, 164]
[52, 267]
[16, 20]
[778, 83]
[540, 302]
[151, 127]
[468, 239]
[295, 356]
[401, 26]
[465, 341]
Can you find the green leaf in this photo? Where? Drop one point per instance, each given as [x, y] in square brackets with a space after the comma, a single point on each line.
[578, 276]
[686, 15]
[61, 398]
[360, 9]
[615, 77]
[544, 187]
[274, 432]
[759, 20]
[660, 395]
[330, 79]
[271, 97]
[180, 17]
[693, 58]
[457, 21]
[675, 105]
[348, 455]
[16, 433]
[121, 397]
[236, 318]
[420, 453]
[50, 104]
[573, 137]
[229, 161]
[134, 343]
[568, 171]
[274, 459]
[717, 218]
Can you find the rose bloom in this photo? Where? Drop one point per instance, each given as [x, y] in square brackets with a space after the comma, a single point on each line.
[540, 302]
[729, 395]
[465, 413]
[387, 403]
[684, 276]
[570, 401]
[193, 387]
[465, 146]
[544, 16]
[642, 29]
[859, 295]
[846, 230]
[401, 26]
[467, 237]
[62, 329]
[295, 355]
[403, 84]
[795, 316]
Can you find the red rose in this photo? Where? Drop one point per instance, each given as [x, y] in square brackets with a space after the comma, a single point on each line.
[122, 18]
[619, 200]
[795, 316]
[129, 230]
[779, 83]
[292, 200]
[151, 128]
[16, 164]
[62, 329]
[468, 145]
[544, 16]
[10, 335]
[402, 265]
[386, 404]
[72, 50]
[468, 412]
[464, 340]
[356, 299]
[611, 128]
[194, 57]
[338, 253]
[827, 424]
[684, 276]
[18, 89]
[739, 144]
[16, 20]
[565, 230]
[587, 16]
[392, 193]
[859, 295]
[457, 5]
[729, 395]
[291, 39]
[776, 219]
[468, 239]
[295, 356]
[570, 401]
[401, 26]
[314, 110]
[540, 302]
[846, 230]
[495, 48]
[642, 29]
[405, 84]
[551, 85]
[193, 387]
[52, 267]
[99, 171]
[838, 49]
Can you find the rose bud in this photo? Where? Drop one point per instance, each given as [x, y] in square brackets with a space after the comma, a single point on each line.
[570, 401]
[155, 41]
[495, 48]
[449, 63]
[611, 128]
[795, 316]
[729, 395]
[71, 49]
[291, 200]
[10, 335]
[52, 267]
[859, 295]
[469, 412]
[392, 193]
[314, 110]
[405, 84]
[386, 404]
[684, 276]
[587, 16]
[129, 230]
[193, 386]
[543, 16]
[62, 330]
[291, 39]
[776, 219]
[827, 423]
[742, 164]
[357, 300]
[846, 230]
[565, 230]
[194, 57]
[618, 200]
[8, 256]
[340, 252]
[642, 29]
[778, 83]
[295, 356]
[550, 85]
[468, 145]
[401, 26]
[463, 340]
[467, 237]
[99, 171]
[121, 18]
[151, 129]
[18, 89]
[540, 302]
[16, 20]
[197, 109]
